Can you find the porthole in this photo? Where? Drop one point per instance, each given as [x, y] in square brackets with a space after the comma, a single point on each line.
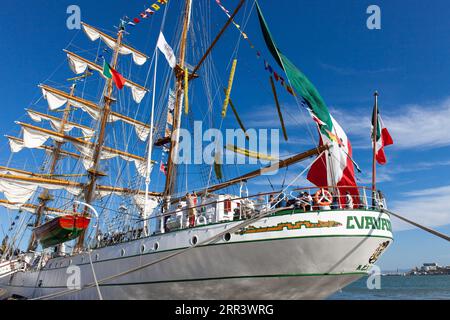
[156, 246]
[194, 240]
[97, 257]
[143, 248]
[227, 237]
[122, 252]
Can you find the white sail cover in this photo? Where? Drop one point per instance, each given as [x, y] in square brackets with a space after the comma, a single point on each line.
[93, 34]
[80, 66]
[21, 191]
[56, 124]
[34, 139]
[56, 101]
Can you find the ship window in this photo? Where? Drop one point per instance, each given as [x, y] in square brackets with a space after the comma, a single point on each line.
[227, 237]
[50, 266]
[82, 259]
[194, 240]
[156, 246]
[70, 261]
[97, 257]
[122, 252]
[143, 248]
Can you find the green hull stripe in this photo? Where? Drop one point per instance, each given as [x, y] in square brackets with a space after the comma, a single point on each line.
[221, 244]
[216, 279]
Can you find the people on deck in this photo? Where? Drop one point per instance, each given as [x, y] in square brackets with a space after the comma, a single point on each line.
[348, 201]
[190, 199]
[335, 205]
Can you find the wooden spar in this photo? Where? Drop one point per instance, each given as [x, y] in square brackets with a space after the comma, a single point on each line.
[374, 138]
[42, 175]
[171, 168]
[35, 179]
[64, 121]
[249, 154]
[99, 69]
[35, 207]
[115, 40]
[213, 44]
[279, 165]
[93, 172]
[45, 197]
[81, 141]
[238, 119]
[94, 106]
[277, 102]
[127, 191]
[230, 86]
[66, 183]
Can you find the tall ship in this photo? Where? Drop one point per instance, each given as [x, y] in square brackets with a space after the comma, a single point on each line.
[108, 201]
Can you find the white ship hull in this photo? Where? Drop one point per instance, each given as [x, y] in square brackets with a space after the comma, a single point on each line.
[289, 256]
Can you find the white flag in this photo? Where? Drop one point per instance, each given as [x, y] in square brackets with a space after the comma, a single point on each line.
[167, 51]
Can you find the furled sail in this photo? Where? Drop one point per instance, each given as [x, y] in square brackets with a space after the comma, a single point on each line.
[35, 137]
[94, 34]
[18, 145]
[19, 186]
[56, 123]
[79, 65]
[57, 98]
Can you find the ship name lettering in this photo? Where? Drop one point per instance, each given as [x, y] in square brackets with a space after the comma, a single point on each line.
[368, 223]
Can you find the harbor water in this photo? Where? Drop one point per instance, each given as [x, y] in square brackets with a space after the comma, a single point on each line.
[399, 288]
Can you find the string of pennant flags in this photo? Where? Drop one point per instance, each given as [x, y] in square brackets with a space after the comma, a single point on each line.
[267, 66]
[147, 13]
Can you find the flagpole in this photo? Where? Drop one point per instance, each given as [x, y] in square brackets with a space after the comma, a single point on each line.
[150, 147]
[374, 142]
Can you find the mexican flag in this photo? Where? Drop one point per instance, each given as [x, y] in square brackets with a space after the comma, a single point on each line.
[335, 167]
[109, 73]
[383, 139]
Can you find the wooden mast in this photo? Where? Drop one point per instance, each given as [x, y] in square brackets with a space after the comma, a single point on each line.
[179, 73]
[45, 197]
[93, 172]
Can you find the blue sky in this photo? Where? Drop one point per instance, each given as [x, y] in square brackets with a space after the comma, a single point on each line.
[406, 61]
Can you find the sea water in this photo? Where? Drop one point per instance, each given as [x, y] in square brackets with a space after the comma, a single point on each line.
[398, 288]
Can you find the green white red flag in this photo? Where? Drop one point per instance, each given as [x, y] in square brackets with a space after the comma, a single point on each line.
[383, 139]
[334, 168]
[109, 73]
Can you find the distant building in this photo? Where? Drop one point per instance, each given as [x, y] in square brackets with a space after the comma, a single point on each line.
[427, 267]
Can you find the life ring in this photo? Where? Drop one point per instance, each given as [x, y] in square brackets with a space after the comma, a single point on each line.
[323, 198]
[201, 221]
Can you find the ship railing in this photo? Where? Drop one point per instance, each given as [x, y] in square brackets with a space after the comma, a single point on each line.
[361, 198]
[250, 206]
